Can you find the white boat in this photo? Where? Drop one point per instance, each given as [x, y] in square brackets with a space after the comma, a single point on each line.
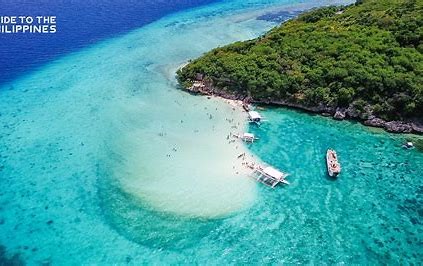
[247, 137]
[254, 117]
[270, 176]
[334, 168]
[409, 145]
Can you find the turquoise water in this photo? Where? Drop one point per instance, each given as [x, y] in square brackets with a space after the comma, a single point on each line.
[371, 213]
[102, 160]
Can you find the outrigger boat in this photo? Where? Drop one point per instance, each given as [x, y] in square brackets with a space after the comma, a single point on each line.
[270, 176]
[334, 168]
[255, 117]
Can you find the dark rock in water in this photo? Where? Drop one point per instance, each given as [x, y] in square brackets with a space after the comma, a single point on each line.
[393, 126]
[339, 114]
[375, 122]
[398, 127]
[417, 127]
[50, 222]
[326, 114]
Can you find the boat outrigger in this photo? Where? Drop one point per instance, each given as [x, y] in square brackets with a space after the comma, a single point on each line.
[334, 168]
[270, 176]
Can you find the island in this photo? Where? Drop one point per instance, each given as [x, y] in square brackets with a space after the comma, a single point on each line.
[362, 62]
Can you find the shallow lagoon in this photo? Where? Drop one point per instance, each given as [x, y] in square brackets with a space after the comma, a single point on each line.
[85, 149]
[371, 213]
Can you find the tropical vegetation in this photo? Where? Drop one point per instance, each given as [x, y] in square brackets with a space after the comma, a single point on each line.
[367, 56]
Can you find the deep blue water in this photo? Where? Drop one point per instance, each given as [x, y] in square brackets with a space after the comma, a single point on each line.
[80, 23]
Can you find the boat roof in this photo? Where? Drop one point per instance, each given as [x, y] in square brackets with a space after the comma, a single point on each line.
[254, 115]
[248, 135]
[273, 172]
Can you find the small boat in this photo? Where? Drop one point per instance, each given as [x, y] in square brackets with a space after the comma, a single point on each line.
[334, 168]
[247, 137]
[254, 117]
[408, 145]
[270, 176]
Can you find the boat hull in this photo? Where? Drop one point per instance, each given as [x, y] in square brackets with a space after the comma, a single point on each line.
[333, 166]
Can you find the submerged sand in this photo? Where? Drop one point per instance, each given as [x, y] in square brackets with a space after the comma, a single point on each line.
[194, 175]
[186, 162]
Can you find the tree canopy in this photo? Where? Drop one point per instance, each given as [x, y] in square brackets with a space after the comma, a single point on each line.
[368, 55]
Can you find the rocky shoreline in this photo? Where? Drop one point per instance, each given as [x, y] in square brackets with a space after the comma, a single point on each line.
[415, 127]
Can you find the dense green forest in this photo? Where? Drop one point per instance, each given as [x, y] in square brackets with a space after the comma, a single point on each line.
[367, 56]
